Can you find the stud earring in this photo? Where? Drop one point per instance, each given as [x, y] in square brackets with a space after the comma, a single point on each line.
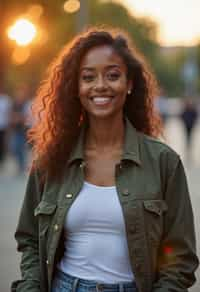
[129, 92]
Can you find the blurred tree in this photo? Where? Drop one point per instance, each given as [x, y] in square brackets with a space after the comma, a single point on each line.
[8, 10]
[3, 48]
[198, 64]
[57, 28]
[142, 30]
[60, 27]
[169, 70]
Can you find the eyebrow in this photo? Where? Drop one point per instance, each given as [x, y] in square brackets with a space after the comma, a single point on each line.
[107, 67]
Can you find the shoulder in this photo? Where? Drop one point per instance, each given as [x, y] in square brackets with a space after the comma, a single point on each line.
[155, 143]
[158, 151]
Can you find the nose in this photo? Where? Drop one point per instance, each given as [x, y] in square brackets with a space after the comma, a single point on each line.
[100, 84]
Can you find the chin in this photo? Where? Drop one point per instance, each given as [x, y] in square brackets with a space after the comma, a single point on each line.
[104, 115]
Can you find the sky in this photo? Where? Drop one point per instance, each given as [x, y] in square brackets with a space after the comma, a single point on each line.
[178, 20]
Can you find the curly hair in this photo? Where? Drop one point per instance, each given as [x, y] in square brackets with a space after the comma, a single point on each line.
[57, 110]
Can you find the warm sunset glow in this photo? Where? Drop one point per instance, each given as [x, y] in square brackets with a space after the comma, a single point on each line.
[35, 11]
[178, 20]
[71, 6]
[22, 31]
[20, 55]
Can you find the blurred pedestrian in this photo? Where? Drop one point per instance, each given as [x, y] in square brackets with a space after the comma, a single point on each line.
[161, 104]
[29, 120]
[5, 106]
[19, 127]
[107, 205]
[189, 117]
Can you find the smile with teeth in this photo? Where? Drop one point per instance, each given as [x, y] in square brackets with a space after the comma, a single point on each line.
[100, 100]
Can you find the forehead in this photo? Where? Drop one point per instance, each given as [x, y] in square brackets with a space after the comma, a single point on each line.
[102, 56]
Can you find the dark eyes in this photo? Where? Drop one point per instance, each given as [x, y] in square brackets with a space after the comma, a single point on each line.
[112, 76]
[88, 77]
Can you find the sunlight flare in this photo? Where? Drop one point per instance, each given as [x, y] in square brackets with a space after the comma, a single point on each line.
[22, 31]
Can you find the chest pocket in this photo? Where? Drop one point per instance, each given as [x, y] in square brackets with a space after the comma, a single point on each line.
[44, 211]
[153, 215]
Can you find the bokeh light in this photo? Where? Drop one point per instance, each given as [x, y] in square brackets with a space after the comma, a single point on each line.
[20, 55]
[71, 6]
[35, 11]
[22, 31]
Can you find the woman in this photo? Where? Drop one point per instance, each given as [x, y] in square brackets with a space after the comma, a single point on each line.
[107, 205]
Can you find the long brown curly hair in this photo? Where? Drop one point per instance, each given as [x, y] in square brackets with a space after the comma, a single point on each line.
[57, 110]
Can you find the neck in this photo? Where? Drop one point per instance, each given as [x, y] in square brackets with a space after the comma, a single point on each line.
[105, 134]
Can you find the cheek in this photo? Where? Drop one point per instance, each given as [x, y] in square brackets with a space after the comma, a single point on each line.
[121, 88]
[83, 89]
[83, 94]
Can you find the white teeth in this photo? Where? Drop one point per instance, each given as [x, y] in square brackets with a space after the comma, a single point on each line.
[101, 100]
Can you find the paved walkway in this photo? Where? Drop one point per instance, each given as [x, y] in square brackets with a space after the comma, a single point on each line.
[12, 190]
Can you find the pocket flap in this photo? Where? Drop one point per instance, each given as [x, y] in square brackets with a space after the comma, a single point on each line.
[15, 285]
[156, 206]
[45, 208]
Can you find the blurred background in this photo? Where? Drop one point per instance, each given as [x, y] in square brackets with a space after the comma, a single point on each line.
[33, 32]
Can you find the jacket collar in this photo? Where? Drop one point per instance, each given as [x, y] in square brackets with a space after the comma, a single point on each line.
[131, 146]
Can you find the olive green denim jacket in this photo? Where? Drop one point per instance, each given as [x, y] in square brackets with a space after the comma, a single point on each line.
[153, 192]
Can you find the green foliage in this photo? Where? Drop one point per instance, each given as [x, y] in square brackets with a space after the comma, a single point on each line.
[198, 64]
[169, 70]
[60, 27]
[142, 31]
[169, 77]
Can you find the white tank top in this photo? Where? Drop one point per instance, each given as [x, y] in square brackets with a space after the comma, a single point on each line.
[95, 237]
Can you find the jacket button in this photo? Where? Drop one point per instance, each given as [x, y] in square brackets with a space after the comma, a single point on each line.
[56, 227]
[82, 164]
[125, 192]
[68, 196]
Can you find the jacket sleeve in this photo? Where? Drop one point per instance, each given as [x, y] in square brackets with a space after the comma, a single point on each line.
[177, 257]
[27, 239]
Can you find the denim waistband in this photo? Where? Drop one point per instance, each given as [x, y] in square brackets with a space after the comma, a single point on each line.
[98, 286]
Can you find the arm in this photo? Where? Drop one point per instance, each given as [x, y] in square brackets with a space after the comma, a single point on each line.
[177, 257]
[27, 239]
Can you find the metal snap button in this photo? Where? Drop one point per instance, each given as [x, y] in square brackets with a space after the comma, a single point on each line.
[82, 164]
[125, 192]
[56, 227]
[68, 196]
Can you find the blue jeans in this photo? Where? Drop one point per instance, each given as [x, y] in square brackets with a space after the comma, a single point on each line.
[66, 283]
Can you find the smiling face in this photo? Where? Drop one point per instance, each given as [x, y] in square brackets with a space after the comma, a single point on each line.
[103, 83]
